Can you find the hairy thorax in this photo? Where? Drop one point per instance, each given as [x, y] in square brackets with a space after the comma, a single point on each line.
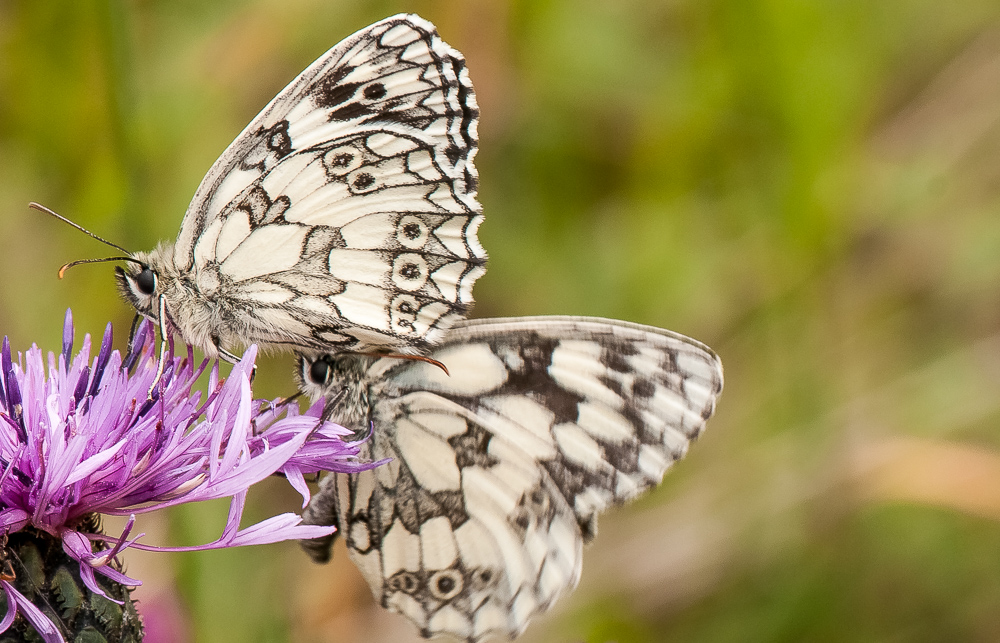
[198, 305]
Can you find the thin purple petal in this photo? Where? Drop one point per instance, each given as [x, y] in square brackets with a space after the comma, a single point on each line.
[13, 405]
[8, 618]
[287, 526]
[45, 628]
[102, 359]
[67, 343]
[5, 367]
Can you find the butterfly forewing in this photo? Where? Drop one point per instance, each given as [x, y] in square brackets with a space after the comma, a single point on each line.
[500, 468]
[344, 217]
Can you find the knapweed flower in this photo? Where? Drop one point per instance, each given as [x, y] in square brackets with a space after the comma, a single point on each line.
[108, 436]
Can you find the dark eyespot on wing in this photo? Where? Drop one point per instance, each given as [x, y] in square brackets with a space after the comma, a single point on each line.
[411, 230]
[341, 160]
[404, 581]
[446, 584]
[363, 181]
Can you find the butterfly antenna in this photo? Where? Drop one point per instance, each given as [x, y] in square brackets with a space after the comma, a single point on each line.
[67, 266]
[42, 208]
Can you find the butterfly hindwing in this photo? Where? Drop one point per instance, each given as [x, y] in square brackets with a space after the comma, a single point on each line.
[344, 217]
[499, 469]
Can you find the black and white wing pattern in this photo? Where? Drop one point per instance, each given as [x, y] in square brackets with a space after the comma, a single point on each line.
[344, 217]
[499, 470]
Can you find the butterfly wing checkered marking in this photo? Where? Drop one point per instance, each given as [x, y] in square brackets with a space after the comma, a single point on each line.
[344, 217]
[500, 469]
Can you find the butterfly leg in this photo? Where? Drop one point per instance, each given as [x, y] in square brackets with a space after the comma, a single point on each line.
[229, 357]
[162, 319]
[132, 356]
[131, 332]
[322, 510]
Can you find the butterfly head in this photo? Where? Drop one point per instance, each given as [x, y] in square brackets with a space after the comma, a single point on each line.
[139, 283]
[324, 375]
[341, 379]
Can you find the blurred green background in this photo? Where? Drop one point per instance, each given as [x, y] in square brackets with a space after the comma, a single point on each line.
[812, 187]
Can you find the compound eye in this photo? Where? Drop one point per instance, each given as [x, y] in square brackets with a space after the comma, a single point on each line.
[145, 281]
[319, 371]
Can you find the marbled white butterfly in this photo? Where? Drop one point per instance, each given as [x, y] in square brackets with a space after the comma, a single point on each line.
[343, 218]
[499, 470]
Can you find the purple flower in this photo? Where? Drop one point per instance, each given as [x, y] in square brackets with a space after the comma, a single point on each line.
[89, 437]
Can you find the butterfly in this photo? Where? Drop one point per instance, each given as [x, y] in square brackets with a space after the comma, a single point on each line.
[496, 473]
[343, 218]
